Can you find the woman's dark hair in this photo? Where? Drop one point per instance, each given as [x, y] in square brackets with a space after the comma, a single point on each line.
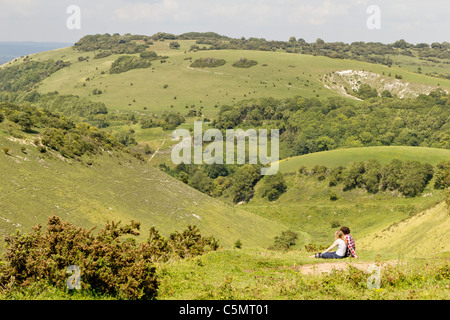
[345, 230]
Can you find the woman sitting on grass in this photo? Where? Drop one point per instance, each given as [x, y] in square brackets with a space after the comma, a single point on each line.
[340, 242]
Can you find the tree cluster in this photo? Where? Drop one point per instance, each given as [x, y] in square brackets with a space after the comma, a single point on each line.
[207, 63]
[244, 63]
[25, 76]
[126, 63]
[310, 124]
[407, 177]
[116, 43]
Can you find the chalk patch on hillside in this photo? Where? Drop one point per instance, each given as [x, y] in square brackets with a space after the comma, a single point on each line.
[347, 81]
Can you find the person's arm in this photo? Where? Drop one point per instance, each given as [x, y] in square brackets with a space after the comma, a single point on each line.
[352, 250]
[331, 247]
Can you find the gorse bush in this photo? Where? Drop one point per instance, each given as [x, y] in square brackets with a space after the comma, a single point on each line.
[109, 263]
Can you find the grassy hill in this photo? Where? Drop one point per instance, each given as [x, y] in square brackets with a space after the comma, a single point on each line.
[423, 234]
[307, 206]
[112, 187]
[173, 85]
[384, 154]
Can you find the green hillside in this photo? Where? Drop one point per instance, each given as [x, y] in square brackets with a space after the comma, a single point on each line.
[112, 186]
[173, 85]
[85, 134]
[423, 234]
[385, 154]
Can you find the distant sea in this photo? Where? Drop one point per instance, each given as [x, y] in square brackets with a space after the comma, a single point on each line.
[12, 50]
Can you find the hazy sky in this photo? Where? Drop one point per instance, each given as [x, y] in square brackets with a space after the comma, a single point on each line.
[332, 20]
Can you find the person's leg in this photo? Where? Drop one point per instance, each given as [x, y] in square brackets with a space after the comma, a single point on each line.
[329, 255]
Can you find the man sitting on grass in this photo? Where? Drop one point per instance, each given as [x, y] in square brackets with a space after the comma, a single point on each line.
[350, 243]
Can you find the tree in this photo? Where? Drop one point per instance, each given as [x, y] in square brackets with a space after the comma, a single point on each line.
[216, 170]
[273, 186]
[365, 91]
[372, 176]
[174, 45]
[243, 182]
[352, 177]
[442, 175]
[325, 143]
[201, 182]
[23, 119]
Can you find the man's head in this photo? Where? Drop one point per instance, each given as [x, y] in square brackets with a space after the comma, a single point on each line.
[345, 230]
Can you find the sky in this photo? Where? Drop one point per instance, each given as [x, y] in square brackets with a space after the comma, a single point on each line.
[415, 21]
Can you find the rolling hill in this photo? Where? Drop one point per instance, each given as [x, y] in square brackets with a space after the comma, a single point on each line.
[424, 234]
[112, 186]
[384, 154]
[176, 86]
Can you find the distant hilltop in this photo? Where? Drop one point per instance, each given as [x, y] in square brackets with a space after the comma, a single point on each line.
[12, 50]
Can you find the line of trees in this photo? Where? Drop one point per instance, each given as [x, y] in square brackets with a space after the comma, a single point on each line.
[407, 177]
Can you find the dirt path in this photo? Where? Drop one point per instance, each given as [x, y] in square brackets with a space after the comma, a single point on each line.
[327, 267]
[154, 154]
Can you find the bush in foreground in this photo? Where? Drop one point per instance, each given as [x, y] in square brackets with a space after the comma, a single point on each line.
[110, 264]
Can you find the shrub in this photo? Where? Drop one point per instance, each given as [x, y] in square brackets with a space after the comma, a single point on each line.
[149, 55]
[244, 63]
[102, 54]
[312, 247]
[5, 150]
[333, 196]
[109, 263]
[207, 63]
[273, 186]
[335, 224]
[285, 241]
[126, 63]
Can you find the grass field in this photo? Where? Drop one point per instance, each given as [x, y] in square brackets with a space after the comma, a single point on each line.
[384, 154]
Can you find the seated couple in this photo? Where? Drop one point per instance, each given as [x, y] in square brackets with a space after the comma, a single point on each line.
[345, 246]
